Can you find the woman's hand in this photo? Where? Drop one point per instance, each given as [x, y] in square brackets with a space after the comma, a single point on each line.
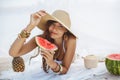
[48, 55]
[35, 19]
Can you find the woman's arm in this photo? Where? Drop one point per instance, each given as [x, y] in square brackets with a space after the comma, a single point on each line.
[70, 51]
[19, 47]
[69, 54]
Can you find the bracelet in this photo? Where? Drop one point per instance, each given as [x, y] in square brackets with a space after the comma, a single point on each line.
[55, 67]
[60, 69]
[24, 34]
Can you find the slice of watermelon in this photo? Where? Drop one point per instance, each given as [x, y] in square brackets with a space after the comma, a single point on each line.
[45, 44]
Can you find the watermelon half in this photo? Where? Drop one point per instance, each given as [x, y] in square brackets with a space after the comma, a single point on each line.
[112, 63]
[45, 44]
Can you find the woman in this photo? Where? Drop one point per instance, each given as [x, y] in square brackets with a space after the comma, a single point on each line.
[56, 29]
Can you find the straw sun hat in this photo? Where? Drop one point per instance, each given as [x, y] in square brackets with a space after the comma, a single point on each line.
[60, 16]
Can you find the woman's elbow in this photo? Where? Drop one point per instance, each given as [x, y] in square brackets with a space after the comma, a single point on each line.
[13, 53]
[65, 71]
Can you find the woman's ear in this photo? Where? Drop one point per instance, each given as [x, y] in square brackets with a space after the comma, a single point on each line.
[65, 36]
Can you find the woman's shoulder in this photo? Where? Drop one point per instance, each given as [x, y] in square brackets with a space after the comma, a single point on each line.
[70, 41]
[70, 38]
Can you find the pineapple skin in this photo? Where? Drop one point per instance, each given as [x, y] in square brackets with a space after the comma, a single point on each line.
[18, 64]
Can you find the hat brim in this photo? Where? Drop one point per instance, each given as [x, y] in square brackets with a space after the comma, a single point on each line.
[47, 17]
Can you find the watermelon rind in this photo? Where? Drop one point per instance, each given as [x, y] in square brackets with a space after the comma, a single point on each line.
[113, 66]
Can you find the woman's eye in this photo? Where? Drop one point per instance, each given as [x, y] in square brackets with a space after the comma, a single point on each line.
[61, 26]
[52, 24]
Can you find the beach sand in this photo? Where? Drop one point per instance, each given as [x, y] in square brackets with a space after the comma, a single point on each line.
[5, 63]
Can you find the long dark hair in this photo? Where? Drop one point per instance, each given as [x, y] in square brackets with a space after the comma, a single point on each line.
[46, 35]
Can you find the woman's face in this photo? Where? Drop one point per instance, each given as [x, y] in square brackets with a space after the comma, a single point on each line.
[56, 30]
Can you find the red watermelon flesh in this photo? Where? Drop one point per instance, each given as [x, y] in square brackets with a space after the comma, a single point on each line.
[45, 44]
[114, 57]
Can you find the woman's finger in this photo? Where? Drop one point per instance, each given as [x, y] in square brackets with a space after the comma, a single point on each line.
[52, 52]
[48, 53]
[45, 54]
[38, 15]
[42, 13]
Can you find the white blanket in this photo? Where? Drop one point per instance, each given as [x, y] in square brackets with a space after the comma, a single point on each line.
[77, 71]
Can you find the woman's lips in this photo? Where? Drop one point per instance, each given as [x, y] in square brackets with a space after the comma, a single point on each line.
[54, 33]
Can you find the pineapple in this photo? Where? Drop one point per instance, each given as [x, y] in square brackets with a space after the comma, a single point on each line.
[18, 64]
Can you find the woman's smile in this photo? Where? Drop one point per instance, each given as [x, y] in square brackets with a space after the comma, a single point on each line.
[53, 33]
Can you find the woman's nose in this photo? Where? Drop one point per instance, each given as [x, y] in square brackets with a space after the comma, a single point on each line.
[54, 28]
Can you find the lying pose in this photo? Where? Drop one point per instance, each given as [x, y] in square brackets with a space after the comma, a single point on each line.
[56, 29]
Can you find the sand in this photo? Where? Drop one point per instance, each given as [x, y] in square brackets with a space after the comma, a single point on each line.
[5, 63]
